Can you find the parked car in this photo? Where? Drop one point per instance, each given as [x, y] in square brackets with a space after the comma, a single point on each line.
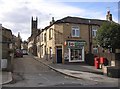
[18, 53]
[24, 51]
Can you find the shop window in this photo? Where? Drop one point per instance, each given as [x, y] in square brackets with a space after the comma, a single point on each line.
[66, 55]
[75, 31]
[76, 54]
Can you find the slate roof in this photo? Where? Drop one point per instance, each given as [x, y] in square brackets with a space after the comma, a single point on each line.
[3, 28]
[78, 20]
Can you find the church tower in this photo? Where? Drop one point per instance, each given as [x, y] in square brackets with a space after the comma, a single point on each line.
[34, 26]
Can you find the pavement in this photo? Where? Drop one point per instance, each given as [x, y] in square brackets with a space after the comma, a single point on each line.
[5, 77]
[79, 71]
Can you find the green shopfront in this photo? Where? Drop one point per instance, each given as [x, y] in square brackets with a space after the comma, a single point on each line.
[75, 51]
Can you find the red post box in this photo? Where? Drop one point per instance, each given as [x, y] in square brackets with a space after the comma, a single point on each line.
[102, 60]
[97, 62]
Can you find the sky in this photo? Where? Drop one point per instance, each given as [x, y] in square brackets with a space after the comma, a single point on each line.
[16, 14]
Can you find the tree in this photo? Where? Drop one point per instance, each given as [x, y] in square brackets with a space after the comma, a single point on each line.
[108, 35]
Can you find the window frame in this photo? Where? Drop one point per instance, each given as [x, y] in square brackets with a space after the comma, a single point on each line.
[41, 37]
[77, 29]
[45, 37]
[50, 33]
[94, 32]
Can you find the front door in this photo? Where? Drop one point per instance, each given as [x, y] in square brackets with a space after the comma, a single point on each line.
[59, 55]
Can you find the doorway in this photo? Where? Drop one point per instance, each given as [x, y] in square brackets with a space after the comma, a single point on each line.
[59, 55]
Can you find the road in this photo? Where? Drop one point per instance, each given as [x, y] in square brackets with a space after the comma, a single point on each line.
[28, 72]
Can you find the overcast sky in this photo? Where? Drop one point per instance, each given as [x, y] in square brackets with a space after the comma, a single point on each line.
[16, 14]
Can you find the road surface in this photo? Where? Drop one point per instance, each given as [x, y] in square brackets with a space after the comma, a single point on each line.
[28, 72]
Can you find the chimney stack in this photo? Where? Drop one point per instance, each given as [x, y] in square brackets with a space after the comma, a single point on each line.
[51, 22]
[109, 16]
[19, 35]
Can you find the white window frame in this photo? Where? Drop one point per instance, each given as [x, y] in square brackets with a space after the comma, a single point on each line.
[94, 31]
[76, 28]
[76, 60]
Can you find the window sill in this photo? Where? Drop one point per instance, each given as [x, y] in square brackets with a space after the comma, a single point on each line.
[77, 37]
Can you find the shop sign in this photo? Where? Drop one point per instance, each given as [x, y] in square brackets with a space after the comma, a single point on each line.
[71, 44]
[75, 44]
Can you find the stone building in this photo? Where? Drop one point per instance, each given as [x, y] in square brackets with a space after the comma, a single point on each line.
[24, 45]
[7, 47]
[17, 41]
[32, 39]
[69, 39]
[6, 41]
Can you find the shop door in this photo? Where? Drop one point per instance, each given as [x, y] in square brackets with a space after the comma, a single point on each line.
[59, 55]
